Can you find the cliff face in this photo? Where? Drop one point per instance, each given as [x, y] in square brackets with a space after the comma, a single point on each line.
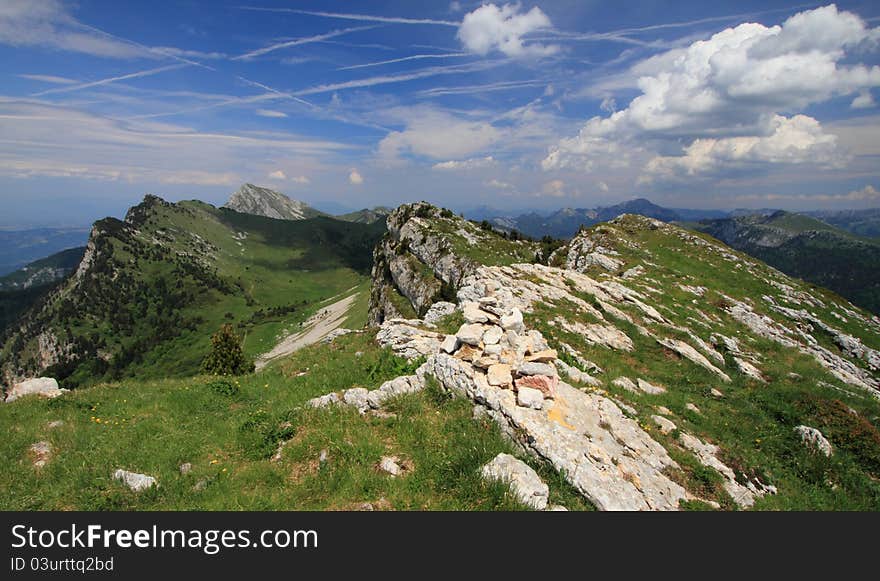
[424, 257]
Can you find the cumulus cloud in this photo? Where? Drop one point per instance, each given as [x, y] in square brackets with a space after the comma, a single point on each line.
[355, 177]
[723, 97]
[300, 180]
[797, 140]
[278, 175]
[465, 164]
[603, 187]
[492, 28]
[864, 100]
[438, 135]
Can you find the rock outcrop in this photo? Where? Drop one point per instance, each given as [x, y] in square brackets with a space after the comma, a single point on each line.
[42, 386]
[251, 199]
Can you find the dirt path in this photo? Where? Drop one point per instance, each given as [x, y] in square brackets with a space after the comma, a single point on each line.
[318, 326]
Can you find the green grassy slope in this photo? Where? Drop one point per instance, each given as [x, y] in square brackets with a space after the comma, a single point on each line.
[155, 426]
[161, 282]
[807, 248]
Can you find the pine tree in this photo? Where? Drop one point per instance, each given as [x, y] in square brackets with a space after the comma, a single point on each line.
[226, 356]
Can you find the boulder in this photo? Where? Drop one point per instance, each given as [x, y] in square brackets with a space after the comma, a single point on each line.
[323, 401]
[390, 465]
[42, 386]
[524, 482]
[136, 482]
[814, 439]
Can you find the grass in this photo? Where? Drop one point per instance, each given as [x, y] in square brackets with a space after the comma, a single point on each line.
[230, 429]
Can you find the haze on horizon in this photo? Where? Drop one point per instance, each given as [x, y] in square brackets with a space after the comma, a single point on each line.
[541, 104]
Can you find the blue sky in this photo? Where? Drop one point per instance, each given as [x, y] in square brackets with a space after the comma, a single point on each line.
[353, 104]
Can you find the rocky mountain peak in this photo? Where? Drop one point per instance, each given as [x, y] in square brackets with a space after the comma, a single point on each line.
[260, 201]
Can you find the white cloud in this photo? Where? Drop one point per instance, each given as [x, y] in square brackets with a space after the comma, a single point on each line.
[864, 100]
[270, 113]
[108, 80]
[47, 140]
[490, 28]
[722, 97]
[498, 184]
[47, 24]
[189, 54]
[466, 164]
[602, 186]
[278, 175]
[609, 105]
[52, 79]
[299, 41]
[438, 135]
[554, 189]
[301, 180]
[355, 177]
[795, 140]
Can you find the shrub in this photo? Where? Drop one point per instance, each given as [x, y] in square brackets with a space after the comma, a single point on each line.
[224, 387]
[226, 356]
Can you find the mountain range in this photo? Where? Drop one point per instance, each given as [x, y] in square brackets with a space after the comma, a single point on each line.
[638, 366]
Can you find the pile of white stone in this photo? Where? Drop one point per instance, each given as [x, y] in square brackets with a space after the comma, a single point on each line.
[494, 341]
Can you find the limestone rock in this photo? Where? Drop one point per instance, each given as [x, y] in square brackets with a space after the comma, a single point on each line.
[748, 369]
[185, 468]
[390, 465]
[449, 344]
[408, 339]
[666, 426]
[537, 369]
[41, 453]
[499, 375]
[691, 407]
[814, 439]
[136, 482]
[530, 397]
[471, 334]
[323, 401]
[493, 335]
[357, 397]
[437, 311]
[524, 482]
[625, 383]
[42, 386]
[743, 495]
[545, 356]
[693, 355]
[513, 321]
[649, 388]
[546, 384]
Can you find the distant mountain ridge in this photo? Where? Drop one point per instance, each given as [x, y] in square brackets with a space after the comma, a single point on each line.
[565, 222]
[260, 201]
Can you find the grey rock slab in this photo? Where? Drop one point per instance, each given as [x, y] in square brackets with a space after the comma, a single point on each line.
[524, 482]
